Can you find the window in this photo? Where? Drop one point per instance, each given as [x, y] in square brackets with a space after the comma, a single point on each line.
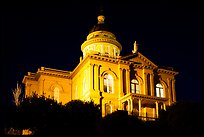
[159, 90]
[108, 109]
[148, 85]
[108, 83]
[135, 88]
[125, 106]
[124, 82]
[56, 94]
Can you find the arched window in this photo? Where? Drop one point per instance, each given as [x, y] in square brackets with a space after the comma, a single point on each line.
[148, 85]
[135, 88]
[159, 90]
[124, 82]
[108, 83]
[56, 94]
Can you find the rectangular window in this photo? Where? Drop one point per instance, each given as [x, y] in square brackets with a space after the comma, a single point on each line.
[137, 89]
[162, 92]
[132, 88]
[157, 92]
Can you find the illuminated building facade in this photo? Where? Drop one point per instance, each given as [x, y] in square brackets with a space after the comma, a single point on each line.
[131, 82]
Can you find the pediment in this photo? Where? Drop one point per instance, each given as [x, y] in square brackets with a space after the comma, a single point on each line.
[140, 59]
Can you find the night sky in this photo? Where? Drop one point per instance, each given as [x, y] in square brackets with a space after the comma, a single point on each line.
[51, 34]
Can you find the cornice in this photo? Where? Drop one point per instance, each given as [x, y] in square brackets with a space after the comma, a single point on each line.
[166, 71]
[95, 40]
[48, 72]
[153, 98]
[143, 97]
[146, 60]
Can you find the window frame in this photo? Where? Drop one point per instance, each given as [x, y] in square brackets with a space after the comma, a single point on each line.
[108, 83]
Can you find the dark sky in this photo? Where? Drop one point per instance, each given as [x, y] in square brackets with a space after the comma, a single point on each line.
[50, 34]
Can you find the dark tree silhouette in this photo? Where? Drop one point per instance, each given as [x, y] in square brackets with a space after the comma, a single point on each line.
[83, 117]
[182, 118]
[44, 116]
[120, 123]
[34, 113]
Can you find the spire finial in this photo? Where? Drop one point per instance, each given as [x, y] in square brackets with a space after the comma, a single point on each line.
[101, 17]
[101, 10]
[135, 47]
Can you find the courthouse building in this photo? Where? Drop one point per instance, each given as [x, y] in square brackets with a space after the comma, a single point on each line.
[131, 82]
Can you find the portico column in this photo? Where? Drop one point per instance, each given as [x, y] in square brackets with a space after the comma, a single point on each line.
[139, 106]
[131, 105]
[157, 109]
[164, 106]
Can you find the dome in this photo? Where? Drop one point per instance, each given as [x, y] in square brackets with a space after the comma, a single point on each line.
[99, 27]
[101, 41]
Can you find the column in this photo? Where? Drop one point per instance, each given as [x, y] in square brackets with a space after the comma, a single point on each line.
[154, 113]
[145, 113]
[102, 49]
[114, 52]
[152, 84]
[128, 105]
[101, 82]
[164, 106]
[157, 109]
[131, 105]
[98, 77]
[139, 106]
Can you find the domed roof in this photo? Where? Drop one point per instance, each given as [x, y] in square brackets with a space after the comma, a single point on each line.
[100, 26]
[101, 38]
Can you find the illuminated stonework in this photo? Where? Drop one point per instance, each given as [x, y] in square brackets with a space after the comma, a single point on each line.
[130, 82]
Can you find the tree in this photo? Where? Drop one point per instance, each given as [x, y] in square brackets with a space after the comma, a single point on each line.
[83, 116]
[183, 117]
[35, 113]
[121, 123]
[17, 95]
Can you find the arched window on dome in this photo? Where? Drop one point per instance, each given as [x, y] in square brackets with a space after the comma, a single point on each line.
[135, 87]
[159, 90]
[108, 83]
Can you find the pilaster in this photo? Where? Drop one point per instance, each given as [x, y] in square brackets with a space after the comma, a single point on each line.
[91, 76]
[152, 84]
[173, 90]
